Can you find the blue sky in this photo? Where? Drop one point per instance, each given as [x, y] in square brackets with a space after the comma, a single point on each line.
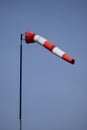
[54, 91]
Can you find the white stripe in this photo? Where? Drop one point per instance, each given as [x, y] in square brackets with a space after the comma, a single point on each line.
[39, 39]
[58, 52]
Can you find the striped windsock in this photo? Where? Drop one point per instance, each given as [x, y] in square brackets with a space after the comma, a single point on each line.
[31, 37]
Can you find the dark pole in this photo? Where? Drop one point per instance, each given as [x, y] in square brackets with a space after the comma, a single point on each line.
[20, 98]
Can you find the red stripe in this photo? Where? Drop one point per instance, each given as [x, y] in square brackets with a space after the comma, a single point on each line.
[49, 45]
[29, 37]
[67, 58]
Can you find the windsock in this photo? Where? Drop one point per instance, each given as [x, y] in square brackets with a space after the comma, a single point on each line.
[31, 37]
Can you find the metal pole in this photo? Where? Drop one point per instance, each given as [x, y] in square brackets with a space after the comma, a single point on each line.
[20, 94]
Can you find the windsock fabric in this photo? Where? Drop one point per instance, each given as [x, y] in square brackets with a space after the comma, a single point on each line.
[31, 37]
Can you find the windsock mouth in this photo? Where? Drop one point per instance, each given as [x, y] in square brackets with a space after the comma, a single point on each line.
[29, 37]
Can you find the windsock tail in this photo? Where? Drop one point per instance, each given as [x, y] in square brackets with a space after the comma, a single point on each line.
[68, 58]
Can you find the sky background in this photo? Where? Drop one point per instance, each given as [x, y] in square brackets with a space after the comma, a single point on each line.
[54, 91]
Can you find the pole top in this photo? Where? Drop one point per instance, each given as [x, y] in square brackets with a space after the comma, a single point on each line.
[21, 37]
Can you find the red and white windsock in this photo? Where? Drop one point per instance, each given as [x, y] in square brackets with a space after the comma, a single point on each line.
[31, 37]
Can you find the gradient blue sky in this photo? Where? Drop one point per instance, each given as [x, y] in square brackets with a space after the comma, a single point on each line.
[54, 91]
